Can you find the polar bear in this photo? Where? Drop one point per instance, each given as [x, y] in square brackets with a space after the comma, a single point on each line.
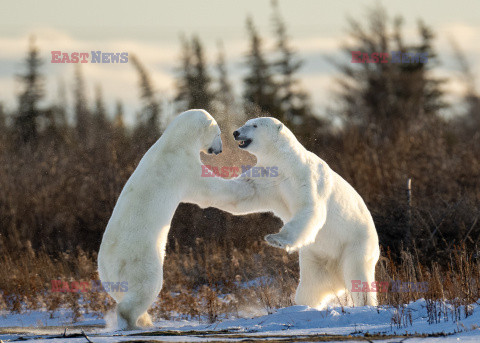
[133, 245]
[324, 217]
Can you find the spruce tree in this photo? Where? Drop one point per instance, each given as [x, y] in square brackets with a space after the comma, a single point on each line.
[294, 102]
[260, 89]
[225, 99]
[118, 126]
[33, 91]
[202, 95]
[81, 112]
[150, 114]
[3, 126]
[100, 113]
[388, 97]
[118, 122]
[194, 81]
[61, 106]
[471, 119]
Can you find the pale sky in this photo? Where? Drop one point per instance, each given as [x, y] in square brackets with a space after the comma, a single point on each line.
[151, 30]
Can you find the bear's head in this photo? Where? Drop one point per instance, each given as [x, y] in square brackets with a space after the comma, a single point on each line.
[200, 128]
[258, 135]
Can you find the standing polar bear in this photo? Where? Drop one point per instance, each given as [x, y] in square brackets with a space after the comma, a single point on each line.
[133, 245]
[324, 217]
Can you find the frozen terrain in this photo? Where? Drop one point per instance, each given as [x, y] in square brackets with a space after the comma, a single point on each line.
[296, 323]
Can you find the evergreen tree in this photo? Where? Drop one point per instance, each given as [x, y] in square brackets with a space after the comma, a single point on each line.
[471, 121]
[2, 118]
[28, 100]
[388, 96]
[82, 115]
[202, 96]
[118, 125]
[118, 121]
[260, 89]
[100, 111]
[150, 113]
[224, 96]
[194, 81]
[294, 103]
[3, 125]
[224, 93]
[3, 129]
[61, 106]
[54, 123]
[183, 98]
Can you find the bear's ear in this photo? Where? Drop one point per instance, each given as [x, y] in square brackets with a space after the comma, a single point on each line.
[279, 127]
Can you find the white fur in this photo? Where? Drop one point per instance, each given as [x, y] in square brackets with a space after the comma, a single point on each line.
[324, 217]
[133, 246]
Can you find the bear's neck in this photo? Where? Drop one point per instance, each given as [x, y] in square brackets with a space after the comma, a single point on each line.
[188, 152]
[288, 156]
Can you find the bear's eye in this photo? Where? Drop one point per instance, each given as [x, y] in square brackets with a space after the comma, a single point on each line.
[255, 126]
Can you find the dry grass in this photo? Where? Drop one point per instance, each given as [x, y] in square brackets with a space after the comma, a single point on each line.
[212, 282]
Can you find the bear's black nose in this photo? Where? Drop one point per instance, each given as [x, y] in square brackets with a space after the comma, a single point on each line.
[236, 134]
[210, 150]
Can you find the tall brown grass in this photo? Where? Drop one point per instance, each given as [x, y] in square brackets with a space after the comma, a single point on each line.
[213, 282]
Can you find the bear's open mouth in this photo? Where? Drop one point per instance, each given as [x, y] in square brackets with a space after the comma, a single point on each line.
[245, 143]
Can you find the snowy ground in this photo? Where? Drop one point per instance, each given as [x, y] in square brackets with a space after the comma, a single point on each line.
[296, 323]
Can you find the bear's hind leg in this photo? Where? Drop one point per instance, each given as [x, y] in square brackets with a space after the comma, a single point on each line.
[357, 270]
[318, 282]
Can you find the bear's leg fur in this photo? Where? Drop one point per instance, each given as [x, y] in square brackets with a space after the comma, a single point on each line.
[142, 292]
[145, 320]
[318, 280]
[131, 311]
[357, 268]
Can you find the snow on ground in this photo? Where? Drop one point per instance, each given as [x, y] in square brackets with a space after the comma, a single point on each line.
[288, 323]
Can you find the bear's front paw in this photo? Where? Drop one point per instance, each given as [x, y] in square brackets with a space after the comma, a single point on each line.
[282, 241]
[278, 240]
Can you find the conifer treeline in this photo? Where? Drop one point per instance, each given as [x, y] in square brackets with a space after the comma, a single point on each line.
[269, 87]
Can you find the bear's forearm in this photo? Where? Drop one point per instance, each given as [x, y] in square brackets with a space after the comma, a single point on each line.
[227, 195]
[301, 230]
[304, 226]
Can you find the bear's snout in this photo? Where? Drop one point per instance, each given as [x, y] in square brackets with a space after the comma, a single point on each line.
[216, 152]
[236, 134]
